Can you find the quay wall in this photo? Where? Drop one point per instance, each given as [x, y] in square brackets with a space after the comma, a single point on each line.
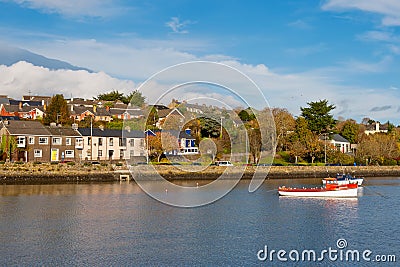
[47, 173]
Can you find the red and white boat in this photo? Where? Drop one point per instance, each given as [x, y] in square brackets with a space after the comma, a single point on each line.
[331, 189]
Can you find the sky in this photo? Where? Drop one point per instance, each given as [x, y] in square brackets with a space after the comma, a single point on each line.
[345, 51]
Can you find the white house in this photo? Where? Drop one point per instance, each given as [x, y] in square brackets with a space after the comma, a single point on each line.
[110, 144]
[341, 143]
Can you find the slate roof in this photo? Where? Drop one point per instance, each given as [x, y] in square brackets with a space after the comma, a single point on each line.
[111, 133]
[339, 138]
[63, 131]
[26, 128]
[30, 103]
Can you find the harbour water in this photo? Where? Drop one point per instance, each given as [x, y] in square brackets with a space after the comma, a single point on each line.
[116, 224]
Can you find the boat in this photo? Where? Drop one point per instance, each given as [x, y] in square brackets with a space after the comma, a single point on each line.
[331, 189]
[343, 179]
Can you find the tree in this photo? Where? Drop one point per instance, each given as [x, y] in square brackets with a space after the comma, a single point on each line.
[135, 98]
[255, 144]
[112, 96]
[57, 111]
[349, 130]
[246, 115]
[304, 142]
[160, 143]
[377, 148]
[284, 124]
[318, 116]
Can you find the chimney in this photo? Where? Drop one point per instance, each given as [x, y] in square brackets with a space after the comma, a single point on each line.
[188, 131]
[101, 127]
[72, 108]
[377, 126]
[108, 108]
[94, 108]
[44, 107]
[20, 105]
[75, 126]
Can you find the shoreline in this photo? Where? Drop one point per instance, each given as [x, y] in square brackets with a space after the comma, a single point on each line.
[27, 173]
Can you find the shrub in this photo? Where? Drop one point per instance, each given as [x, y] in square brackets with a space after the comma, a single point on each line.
[37, 163]
[71, 163]
[2, 162]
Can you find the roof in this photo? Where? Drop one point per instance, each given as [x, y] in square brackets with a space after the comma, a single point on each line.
[110, 133]
[4, 100]
[182, 134]
[15, 108]
[16, 127]
[26, 102]
[166, 112]
[63, 131]
[339, 138]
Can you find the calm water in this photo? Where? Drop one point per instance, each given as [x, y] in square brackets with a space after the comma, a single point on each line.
[117, 224]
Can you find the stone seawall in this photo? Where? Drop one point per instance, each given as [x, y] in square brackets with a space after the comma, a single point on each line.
[46, 173]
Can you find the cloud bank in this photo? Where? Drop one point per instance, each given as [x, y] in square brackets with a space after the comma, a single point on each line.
[19, 78]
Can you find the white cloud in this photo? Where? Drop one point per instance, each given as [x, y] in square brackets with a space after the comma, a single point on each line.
[300, 24]
[177, 26]
[289, 90]
[17, 79]
[389, 9]
[72, 8]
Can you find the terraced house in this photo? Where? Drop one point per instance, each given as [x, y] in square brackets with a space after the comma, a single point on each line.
[32, 141]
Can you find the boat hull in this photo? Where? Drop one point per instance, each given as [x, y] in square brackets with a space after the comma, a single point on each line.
[352, 192]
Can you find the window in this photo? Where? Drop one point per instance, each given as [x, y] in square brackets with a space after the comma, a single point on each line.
[100, 141]
[121, 153]
[37, 153]
[100, 153]
[131, 153]
[111, 141]
[68, 141]
[89, 141]
[142, 142]
[31, 140]
[122, 141]
[21, 141]
[79, 142]
[132, 142]
[43, 140]
[56, 140]
[69, 153]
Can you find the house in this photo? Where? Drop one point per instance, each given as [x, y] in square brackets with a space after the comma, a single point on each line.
[125, 112]
[33, 140]
[376, 127]
[23, 111]
[186, 142]
[44, 99]
[79, 113]
[110, 144]
[340, 143]
[66, 143]
[176, 117]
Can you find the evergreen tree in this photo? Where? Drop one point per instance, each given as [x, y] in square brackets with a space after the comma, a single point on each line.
[57, 111]
[318, 116]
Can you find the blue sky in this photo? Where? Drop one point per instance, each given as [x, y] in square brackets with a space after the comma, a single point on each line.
[296, 51]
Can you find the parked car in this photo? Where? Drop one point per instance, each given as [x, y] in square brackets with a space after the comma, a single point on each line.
[223, 163]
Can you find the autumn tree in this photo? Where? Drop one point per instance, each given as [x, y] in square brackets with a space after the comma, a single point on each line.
[57, 111]
[160, 143]
[284, 124]
[304, 142]
[377, 148]
[255, 144]
[318, 116]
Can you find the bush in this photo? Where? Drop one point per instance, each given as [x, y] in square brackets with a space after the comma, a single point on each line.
[118, 164]
[54, 163]
[36, 163]
[2, 162]
[71, 163]
[19, 162]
